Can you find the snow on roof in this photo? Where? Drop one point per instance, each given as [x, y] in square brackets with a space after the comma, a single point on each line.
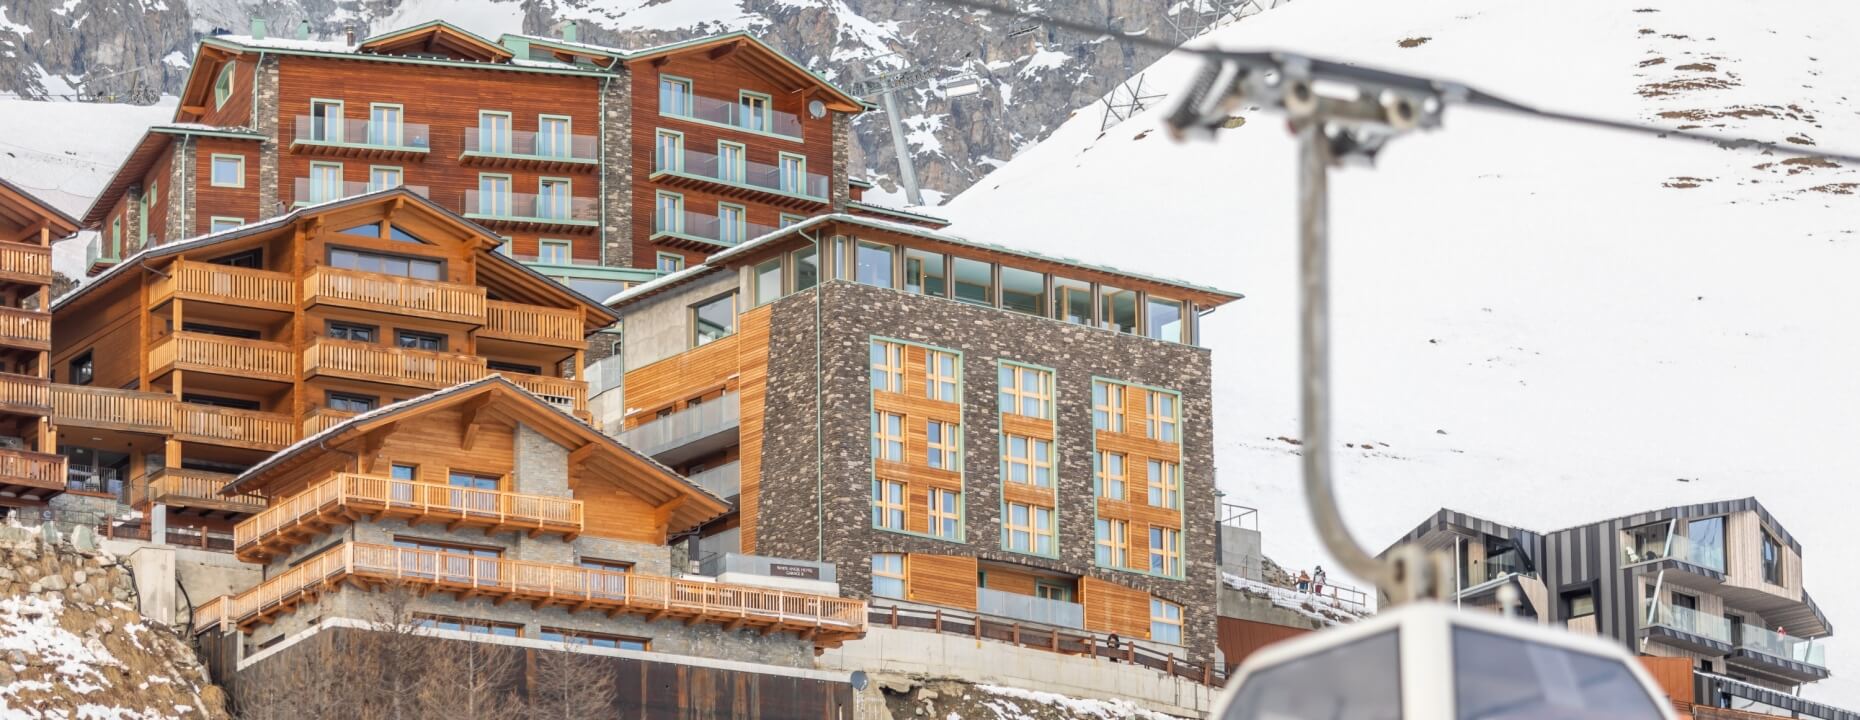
[270, 42]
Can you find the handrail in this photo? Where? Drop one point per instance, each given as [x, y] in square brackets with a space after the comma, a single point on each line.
[567, 393]
[25, 467]
[226, 283]
[1065, 641]
[218, 353]
[77, 404]
[343, 490]
[531, 322]
[394, 364]
[30, 326]
[24, 390]
[224, 423]
[1239, 516]
[393, 293]
[24, 259]
[199, 485]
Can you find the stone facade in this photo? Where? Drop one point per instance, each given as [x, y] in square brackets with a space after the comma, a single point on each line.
[132, 221]
[617, 169]
[265, 122]
[181, 183]
[851, 315]
[842, 162]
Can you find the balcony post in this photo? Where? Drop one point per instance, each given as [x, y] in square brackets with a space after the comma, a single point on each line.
[158, 523]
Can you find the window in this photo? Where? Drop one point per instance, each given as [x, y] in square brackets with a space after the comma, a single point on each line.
[1578, 603]
[669, 155]
[325, 182]
[1109, 468]
[792, 170]
[668, 215]
[510, 367]
[975, 281]
[887, 436]
[888, 504]
[326, 121]
[713, 319]
[1026, 391]
[674, 96]
[1162, 416]
[228, 171]
[1107, 406]
[493, 197]
[553, 198]
[351, 331]
[466, 625]
[768, 282]
[116, 236]
[217, 401]
[1165, 621]
[873, 264]
[940, 370]
[787, 220]
[806, 268]
[1050, 590]
[553, 136]
[1072, 300]
[924, 273]
[594, 639]
[1113, 538]
[1117, 309]
[945, 514]
[384, 125]
[254, 258]
[888, 575]
[401, 265]
[1029, 529]
[1165, 319]
[1165, 484]
[671, 262]
[420, 340]
[399, 471]
[554, 252]
[1682, 600]
[754, 110]
[731, 224]
[222, 224]
[1023, 291]
[887, 366]
[731, 163]
[943, 445]
[1027, 460]
[82, 369]
[223, 86]
[220, 330]
[383, 177]
[1706, 538]
[607, 578]
[1165, 551]
[494, 132]
[349, 402]
[1772, 560]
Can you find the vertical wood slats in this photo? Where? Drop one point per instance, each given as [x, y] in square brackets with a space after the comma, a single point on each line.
[364, 361]
[246, 427]
[24, 261]
[24, 467]
[26, 328]
[1113, 608]
[397, 295]
[130, 409]
[941, 580]
[225, 355]
[531, 323]
[250, 287]
[752, 387]
[24, 392]
[177, 483]
[407, 498]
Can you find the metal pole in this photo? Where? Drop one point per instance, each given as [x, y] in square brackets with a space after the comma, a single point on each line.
[1314, 346]
[907, 173]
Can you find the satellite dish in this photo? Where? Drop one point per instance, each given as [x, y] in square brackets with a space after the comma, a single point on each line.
[1426, 660]
[817, 109]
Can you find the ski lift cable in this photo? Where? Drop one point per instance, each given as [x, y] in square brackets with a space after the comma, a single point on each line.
[1448, 92]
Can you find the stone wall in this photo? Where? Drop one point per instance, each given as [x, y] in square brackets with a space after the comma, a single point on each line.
[265, 114]
[617, 170]
[842, 159]
[181, 183]
[852, 315]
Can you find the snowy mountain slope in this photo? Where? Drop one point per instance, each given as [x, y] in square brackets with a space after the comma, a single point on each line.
[1536, 323]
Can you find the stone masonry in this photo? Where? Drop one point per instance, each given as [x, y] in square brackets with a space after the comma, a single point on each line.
[851, 315]
[842, 161]
[617, 169]
[132, 221]
[265, 122]
[181, 191]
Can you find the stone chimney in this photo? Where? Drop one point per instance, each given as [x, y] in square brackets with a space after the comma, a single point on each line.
[258, 29]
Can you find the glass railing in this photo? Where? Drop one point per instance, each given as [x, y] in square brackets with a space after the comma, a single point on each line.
[532, 145]
[1678, 547]
[746, 173]
[1029, 608]
[97, 251]
[709, 227]
[310, 192]
[532, 207]
[363, 133]
[731, 113]
[1690, 621]
[1777, 645]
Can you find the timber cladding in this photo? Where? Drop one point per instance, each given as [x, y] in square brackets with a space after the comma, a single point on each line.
[212, 201]
[946, 580]
[1113, 608]
[816, 497]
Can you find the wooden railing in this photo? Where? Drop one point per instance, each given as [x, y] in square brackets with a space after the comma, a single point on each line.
[26, 328]
[565, 393]
[25, 392]
[1045, 637]
[23, 261]
[531, 323]
[398, 366]
[832, 619]
[178, 486]
[34, 469]
[331, 501]
[227, 355]
[250, 428]
[395, 294]
[247, 287]
[130, 410]
[213, 615]
[320, 419]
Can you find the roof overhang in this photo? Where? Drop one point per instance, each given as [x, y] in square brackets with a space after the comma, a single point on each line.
[759, 58]
[23, 214]
[142, 157]
[435, 37]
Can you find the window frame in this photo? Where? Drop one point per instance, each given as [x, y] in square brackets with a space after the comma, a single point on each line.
[939, 517]
[337, 133]
[1163, 490]
[330, 397]
[225, 84]
[399, 172]
[766, 117]
[568, 134]
[213, 161]
[758, 275]
[1112, 408]
[677, 161]
[566, 246]
[943, 445]
[214, 221]
[1031, 462]
[935, 382]
[902, 576]
[400, 124]
[1169, 552]
[892, 367]
[1113, 542]
[1160, 426]
[883, 440]
[884, 507]
[739, 231]
[1165, 619]
[661, 257]
[567, 209]
[890, 266]
[677, 214]
[342, 180]
[690, 93]
[697, 307]
[505, 140]
[1104, 481]
[800, 174]
[1012, 394]
[1770, 557]
[738, 172]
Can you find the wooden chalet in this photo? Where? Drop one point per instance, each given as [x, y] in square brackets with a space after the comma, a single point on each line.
[30, 472]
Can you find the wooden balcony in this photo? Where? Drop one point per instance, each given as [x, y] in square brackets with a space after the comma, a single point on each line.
[826, 620]
[25, 264]
[390, 365]
[225, 284]
[32, 477]
[394, 294]
[256, 359]
[110, 408]
[320, 419]
[211, 615]
[28, 329]
[25, 394]
[338, 500]
[532, 324]
[252, 429]
[193, 489]
[568, 394]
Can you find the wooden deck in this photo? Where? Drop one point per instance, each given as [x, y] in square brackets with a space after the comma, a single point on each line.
[193, 489]
[27, 329]
[210, 282]
[396, 295]
[30, 477]
[347, 496]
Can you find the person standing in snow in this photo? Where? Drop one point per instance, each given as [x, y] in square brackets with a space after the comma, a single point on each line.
[1304, 581]
[1317, 580]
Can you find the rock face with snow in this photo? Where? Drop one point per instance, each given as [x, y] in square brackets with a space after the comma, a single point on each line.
[952, 700]
[72, 644]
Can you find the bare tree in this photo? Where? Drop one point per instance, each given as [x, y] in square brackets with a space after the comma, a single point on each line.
[472, 681]
[399, 653]
[314, 678]
[568, 684]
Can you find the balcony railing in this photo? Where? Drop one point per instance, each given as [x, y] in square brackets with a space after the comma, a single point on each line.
[686, 427]
[33, 263]
[746, 175]
[30, 329]
[724, 481]
[363, 137]
[829, 619]
[1776, 645]
[335, 500]
[233, 426]
[310, 191]
[245, 287]
[1691, 622]
[25, 393]
[391, 365]
[698, 227]
[323, 418]
[100, 251]
[1676, 547]
[256, 359]
[1029, 608]
[522, 146]
[379, 292]
[127, 410]
[94, 479]
[211, 615]
[554, 209]
[567, 394]
[25, 468]
[531, 323]
[730, 113]
[192, 488]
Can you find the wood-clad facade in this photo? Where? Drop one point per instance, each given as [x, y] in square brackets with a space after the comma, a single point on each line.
[31, 472]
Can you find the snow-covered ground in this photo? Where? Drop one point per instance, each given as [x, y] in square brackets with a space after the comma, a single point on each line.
[1536, 323]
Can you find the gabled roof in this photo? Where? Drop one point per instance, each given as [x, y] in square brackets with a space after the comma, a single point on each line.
[758, 57]
[20, 209]
[150, 147]
[435, 37]
[688, 504]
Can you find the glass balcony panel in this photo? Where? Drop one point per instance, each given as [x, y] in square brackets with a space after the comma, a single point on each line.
[1690, 621]
[1778, 645]
[388, 135]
